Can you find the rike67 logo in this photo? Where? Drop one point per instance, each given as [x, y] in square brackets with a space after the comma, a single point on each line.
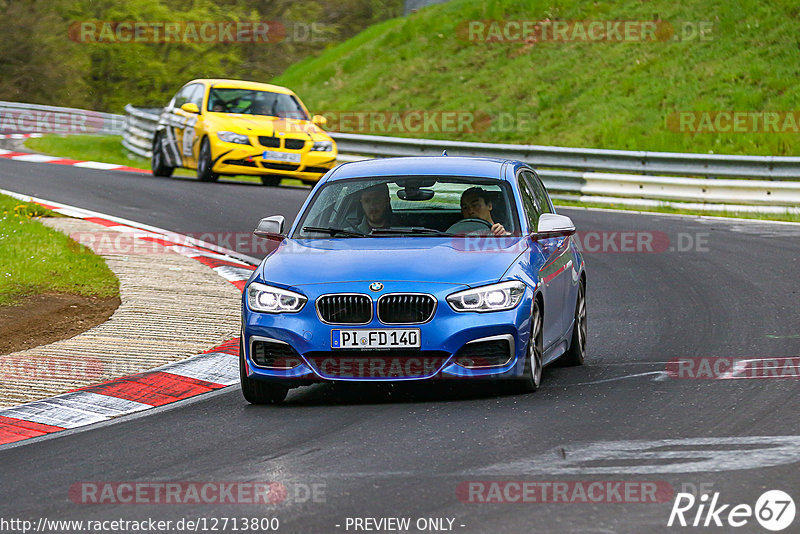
[774, 510]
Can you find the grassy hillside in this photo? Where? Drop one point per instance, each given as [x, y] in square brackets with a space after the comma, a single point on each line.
[584, 94]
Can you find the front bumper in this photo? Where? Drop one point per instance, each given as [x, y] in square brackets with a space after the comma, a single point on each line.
[441, 339]
[233, 158]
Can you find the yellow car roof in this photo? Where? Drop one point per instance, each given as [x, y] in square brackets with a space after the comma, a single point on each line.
[243, 84]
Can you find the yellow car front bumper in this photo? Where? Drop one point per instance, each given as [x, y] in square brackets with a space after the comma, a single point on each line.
[304, 164]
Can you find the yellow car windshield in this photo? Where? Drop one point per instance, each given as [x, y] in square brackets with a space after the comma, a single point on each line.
[254, 102]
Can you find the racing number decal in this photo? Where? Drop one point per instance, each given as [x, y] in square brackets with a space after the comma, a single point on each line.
[188, 139]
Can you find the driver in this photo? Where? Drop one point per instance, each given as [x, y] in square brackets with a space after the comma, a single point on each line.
[377, 208]
[476, 204]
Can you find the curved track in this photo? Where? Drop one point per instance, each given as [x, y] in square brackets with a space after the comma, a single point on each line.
[403, 451]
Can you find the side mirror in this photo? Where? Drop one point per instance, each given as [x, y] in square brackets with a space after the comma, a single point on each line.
[552, 225]
[190, 107]
[319, 120]
[270, 228]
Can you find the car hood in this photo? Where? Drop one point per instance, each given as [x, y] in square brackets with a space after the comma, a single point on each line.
[457, 261]
[259, 125]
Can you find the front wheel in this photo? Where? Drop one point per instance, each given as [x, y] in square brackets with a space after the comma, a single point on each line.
[158, 162]
[205, 163]
[270, 179]
[532, 376]
[577, 349]
[259, 391]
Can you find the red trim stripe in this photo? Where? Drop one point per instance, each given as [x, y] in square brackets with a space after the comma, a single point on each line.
[155, 388]
[217, 262]
[12, 429]
[229, 347]
[103, 222]
[130, 169]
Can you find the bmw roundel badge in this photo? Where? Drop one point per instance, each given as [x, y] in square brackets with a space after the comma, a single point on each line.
[375, 286]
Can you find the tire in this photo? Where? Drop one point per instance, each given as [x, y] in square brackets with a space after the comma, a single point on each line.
[532, 376]
[158, 162]
[259, 391]
[270, 179]
[577, 348]
[204, 163]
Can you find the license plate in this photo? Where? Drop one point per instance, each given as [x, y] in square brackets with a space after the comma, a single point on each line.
[407, 338]
[274, 155]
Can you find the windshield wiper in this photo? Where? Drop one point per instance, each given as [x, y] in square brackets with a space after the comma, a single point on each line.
[333, 231]
[411, 230]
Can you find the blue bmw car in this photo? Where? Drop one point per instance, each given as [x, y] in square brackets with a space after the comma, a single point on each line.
[415, 269]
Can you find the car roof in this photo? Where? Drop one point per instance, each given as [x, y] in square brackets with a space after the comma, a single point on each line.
[243, 84]
[426, 166]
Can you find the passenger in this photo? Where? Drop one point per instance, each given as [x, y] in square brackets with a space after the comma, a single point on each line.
[476, 204]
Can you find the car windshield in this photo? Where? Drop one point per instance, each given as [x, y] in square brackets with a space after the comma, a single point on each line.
[404, 206]
[252, 102]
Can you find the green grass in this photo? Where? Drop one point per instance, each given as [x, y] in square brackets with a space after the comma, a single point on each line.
[790, 217]
[35, 259]
[580, 94]
[109, 149]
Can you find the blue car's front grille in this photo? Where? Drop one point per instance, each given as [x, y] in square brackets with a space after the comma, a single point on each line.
[406, 308]
[345, 309]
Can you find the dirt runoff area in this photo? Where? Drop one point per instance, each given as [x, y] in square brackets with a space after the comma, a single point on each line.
[44, 319]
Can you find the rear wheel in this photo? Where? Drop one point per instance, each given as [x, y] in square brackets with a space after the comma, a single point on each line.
[158, 162]
[532, 376]
[269, 179]
[205, 163]
[577, 349]
[259, 391]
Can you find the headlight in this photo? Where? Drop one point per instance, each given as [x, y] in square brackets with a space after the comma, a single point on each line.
[268, 299]
[232, 137]
[496, 297]
[322, 146]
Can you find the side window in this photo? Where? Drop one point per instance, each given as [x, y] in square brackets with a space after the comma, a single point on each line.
[197, 96]
[184, 95]
[528, 202]
[542, 201]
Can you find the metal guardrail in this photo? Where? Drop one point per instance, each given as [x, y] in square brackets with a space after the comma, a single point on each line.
[584, 159]
[635, 178]
[21, 118]
[140, 126]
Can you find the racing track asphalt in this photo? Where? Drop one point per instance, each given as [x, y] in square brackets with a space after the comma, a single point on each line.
[402, 452]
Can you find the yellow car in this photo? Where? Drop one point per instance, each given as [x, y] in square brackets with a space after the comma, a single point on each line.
[230, 127]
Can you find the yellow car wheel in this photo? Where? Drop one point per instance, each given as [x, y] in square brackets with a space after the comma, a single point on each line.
[270, 179]
[204, 164]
